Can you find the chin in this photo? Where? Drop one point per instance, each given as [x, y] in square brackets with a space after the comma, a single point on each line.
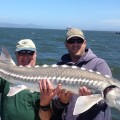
[77, 54]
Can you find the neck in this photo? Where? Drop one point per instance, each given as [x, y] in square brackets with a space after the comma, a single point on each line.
[75, 58]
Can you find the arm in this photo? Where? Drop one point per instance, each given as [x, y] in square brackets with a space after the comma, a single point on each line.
[60, 103]
[45, 115]
[2, 84]
[100, 110]
[47, 93]
[100, 66]
[64, 96]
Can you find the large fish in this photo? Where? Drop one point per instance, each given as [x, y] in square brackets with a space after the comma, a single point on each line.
[71, 78]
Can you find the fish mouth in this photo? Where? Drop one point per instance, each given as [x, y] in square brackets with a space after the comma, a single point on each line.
[117, 101]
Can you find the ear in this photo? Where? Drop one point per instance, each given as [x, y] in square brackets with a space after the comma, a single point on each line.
[35, 54]
[84, 42]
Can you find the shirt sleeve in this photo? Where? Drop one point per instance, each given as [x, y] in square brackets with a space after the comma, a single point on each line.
[58, 109]
[99, 111]
[2, 84]
[103, 68]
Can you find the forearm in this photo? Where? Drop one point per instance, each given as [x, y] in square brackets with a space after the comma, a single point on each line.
[45, 115]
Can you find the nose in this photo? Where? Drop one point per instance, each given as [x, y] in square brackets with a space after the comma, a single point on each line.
[76, 43]
[25, 56]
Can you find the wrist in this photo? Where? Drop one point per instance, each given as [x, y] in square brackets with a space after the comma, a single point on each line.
[64, 104]
[45, 107]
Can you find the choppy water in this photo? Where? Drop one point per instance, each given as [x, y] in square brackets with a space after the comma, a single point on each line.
[50, 46]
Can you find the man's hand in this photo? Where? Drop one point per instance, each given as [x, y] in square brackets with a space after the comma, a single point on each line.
[84, 91]
[64, 96]
[47, 92]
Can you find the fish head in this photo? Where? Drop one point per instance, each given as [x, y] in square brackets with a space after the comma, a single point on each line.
[113, 98]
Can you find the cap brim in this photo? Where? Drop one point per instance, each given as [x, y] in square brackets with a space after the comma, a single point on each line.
[19, 49]
[75, 36]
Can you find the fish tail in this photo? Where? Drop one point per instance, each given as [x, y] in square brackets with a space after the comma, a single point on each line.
[5, 57]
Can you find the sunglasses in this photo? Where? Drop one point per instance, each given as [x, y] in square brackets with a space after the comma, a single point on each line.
[25, 52]
[75, 40]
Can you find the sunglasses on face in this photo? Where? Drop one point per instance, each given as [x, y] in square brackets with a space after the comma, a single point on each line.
[25, 52]
[73, 40]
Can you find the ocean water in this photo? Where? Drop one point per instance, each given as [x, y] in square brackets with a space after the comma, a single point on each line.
[50, 46]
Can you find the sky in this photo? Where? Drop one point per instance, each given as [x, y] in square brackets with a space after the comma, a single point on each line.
[60, 14]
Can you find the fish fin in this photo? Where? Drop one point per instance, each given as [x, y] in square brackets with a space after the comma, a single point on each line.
[5, 57]
[16, 89]
[32, 91]
[83, 103]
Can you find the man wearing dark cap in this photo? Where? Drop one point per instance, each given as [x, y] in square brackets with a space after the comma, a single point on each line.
[81, 56]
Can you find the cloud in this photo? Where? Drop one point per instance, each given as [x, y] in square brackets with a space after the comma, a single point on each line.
[3, 17]
[111, 22]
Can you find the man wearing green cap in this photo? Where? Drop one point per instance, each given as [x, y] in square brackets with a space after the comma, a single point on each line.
[81, 56]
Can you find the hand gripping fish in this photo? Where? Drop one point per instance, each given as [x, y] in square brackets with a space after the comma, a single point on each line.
[71, 78]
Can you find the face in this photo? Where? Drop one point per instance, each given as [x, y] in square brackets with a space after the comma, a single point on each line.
[26, 57]
[76, 46]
